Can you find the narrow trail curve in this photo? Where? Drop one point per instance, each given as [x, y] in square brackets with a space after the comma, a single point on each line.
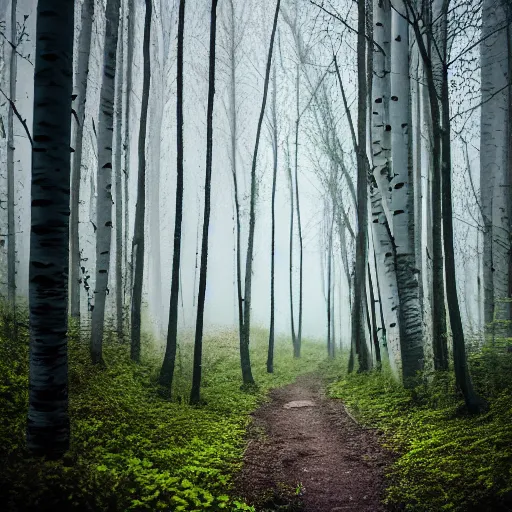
[339, 464]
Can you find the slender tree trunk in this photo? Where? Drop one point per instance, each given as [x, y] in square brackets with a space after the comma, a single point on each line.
[374, 320]
[418, 186]
[104, 178]
[439, 327]
[297, 203]
[358, 331]
[233, 120]
[292, 317]
[119, 186]
[48, 420]
[84, 50]
[11, 229]
[140, 207]
[167, 371]
[330, 341]
[473, 402]
[244, 346]
[198, 345]
[128, 265]
[270, 357]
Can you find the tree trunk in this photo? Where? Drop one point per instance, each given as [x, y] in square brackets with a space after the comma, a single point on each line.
[233, 126]
[494, 174]
[290, 181]
[140, 207]
[439, 328]
[297, 203]
[11, 229]
[381, 175]
[104, 179]
[48, 420]
[473, 402]
[402, 200]
[376, 345]
[270, 357]
[358, 331]
[244, 345]
[198, 345]
[167, 371]
[84, 50]
[130, 41]
[119, 187]
[330, 341]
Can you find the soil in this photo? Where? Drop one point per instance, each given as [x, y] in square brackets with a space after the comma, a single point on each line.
[307, 453]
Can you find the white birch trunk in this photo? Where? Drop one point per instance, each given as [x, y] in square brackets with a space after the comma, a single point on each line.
[104, 201]
[494, 172]
[381, 154]
[402, 198]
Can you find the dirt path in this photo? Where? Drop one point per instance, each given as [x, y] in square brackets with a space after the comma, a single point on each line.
[338, 464]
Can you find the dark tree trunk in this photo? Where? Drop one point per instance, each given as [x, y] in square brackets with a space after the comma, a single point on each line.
[167, 371]
[330, 341]
[140, 207]
[195, 393]
[297, 202]
[270, 356]
[244, 342]
[473, 402]
[48, 420]
[84, 50]
[296, 353]
[104, 179]
[358, 331]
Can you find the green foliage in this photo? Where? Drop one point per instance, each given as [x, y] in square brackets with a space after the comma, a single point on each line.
[132, 449]
[447, 460]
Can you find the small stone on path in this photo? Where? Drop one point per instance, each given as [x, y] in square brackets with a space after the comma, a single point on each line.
[299, 403]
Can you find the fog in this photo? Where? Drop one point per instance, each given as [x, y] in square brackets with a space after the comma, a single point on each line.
[255, 19]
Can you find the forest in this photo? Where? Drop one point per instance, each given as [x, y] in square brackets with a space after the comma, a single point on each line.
[256, 255]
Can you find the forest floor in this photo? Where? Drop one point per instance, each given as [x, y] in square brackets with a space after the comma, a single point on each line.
[314, 450]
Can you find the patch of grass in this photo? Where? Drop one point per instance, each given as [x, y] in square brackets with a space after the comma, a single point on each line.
[131, 449]
[447, 460]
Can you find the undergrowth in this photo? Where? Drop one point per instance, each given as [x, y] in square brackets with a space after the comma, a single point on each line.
[132, 449]
[446, 460]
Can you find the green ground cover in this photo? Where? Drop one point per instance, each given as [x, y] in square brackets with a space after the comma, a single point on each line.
[447, 460]
[132, 449]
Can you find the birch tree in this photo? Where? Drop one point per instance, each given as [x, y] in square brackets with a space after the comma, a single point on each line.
[80, 89]
[48, 420]
[494, 165]
[381, 174]
[402, 199]
[104, 178]
[11, 230]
